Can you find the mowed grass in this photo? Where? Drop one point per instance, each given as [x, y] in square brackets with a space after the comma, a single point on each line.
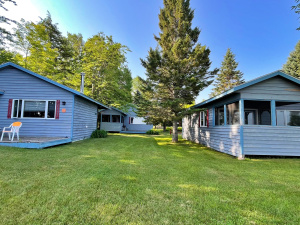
[140, 179]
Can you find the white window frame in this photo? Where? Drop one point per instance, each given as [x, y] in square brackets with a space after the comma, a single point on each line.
[286, 115]
[13, 107]
[33, 100]
[203, 114]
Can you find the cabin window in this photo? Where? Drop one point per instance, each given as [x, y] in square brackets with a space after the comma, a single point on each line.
[116, 118]
[203, 119]
[233, 113]
[106, 118]
[131, 120]
[17, 108]
[257, 112]
[219, 116]
[39, 109]
[122, 119]
[33, 109]
[51, 109]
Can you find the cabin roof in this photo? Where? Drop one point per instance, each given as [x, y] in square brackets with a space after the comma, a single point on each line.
[10, 64]
[247, 84]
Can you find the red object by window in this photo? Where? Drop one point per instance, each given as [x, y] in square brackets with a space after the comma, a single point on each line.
[129, 120]
[207, 117]
[57, 109]
[9, 108]
[199, 120]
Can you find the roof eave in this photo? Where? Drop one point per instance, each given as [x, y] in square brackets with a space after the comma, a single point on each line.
[52, 82]
[247, 84]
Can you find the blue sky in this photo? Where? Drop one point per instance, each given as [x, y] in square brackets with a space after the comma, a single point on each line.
[261, 33]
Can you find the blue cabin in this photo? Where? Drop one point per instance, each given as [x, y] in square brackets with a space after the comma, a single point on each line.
[260, 117]
[50, 113]
[115, 120]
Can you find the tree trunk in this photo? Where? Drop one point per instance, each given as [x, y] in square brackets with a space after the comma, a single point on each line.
[164, 127]
[175, 132]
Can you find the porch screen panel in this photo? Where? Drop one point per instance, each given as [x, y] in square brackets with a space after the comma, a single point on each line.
[115, 118]
[219, 116]
[257, 112]
[288, 113]
[233, 113]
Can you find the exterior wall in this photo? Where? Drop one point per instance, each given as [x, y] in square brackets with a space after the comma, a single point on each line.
[115, 127]
[20, 85]
[272, 140]
[138, 122]
[276, 88]
[224, 139]
[85, 118]
[138, 127]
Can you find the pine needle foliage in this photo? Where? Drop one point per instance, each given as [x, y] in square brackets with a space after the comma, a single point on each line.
[228, 75]
[178, 69]
[292, 66]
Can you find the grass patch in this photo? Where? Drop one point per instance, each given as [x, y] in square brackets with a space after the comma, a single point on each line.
[141, 179]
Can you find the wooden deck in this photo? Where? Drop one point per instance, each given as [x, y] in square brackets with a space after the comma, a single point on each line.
[34, 142]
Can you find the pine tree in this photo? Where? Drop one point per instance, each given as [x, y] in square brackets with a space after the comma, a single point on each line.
[292, 66]
[228, 75]
[178, 69]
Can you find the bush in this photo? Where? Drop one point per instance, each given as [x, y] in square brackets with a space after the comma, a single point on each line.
[99, 134]
[171, 128]
[152, 132]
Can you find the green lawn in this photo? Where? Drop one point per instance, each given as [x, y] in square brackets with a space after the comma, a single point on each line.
[139, 179]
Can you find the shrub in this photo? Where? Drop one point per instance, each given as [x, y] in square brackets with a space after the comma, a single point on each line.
[171, 128]
[152, 132]
[99, 134]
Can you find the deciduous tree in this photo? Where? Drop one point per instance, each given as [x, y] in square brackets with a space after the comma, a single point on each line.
[107, 77]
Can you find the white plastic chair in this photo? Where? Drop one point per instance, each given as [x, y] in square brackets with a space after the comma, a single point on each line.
[14, 129]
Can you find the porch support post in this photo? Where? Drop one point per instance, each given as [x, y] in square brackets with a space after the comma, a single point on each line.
[100, 121]
[242, 112]
[213, 117]
[242, 122]
[273, 112]
[225, 116]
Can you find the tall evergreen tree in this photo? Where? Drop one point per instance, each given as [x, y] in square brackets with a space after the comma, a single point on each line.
[5, 35]
[296, 8]
[292, 66]
[228, 75]
[178, 69]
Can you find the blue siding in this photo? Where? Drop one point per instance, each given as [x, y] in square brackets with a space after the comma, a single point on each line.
[20, 85]
[116, 127]
[270, 140]
[276, 88]
[85, 118]
[224, 139]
